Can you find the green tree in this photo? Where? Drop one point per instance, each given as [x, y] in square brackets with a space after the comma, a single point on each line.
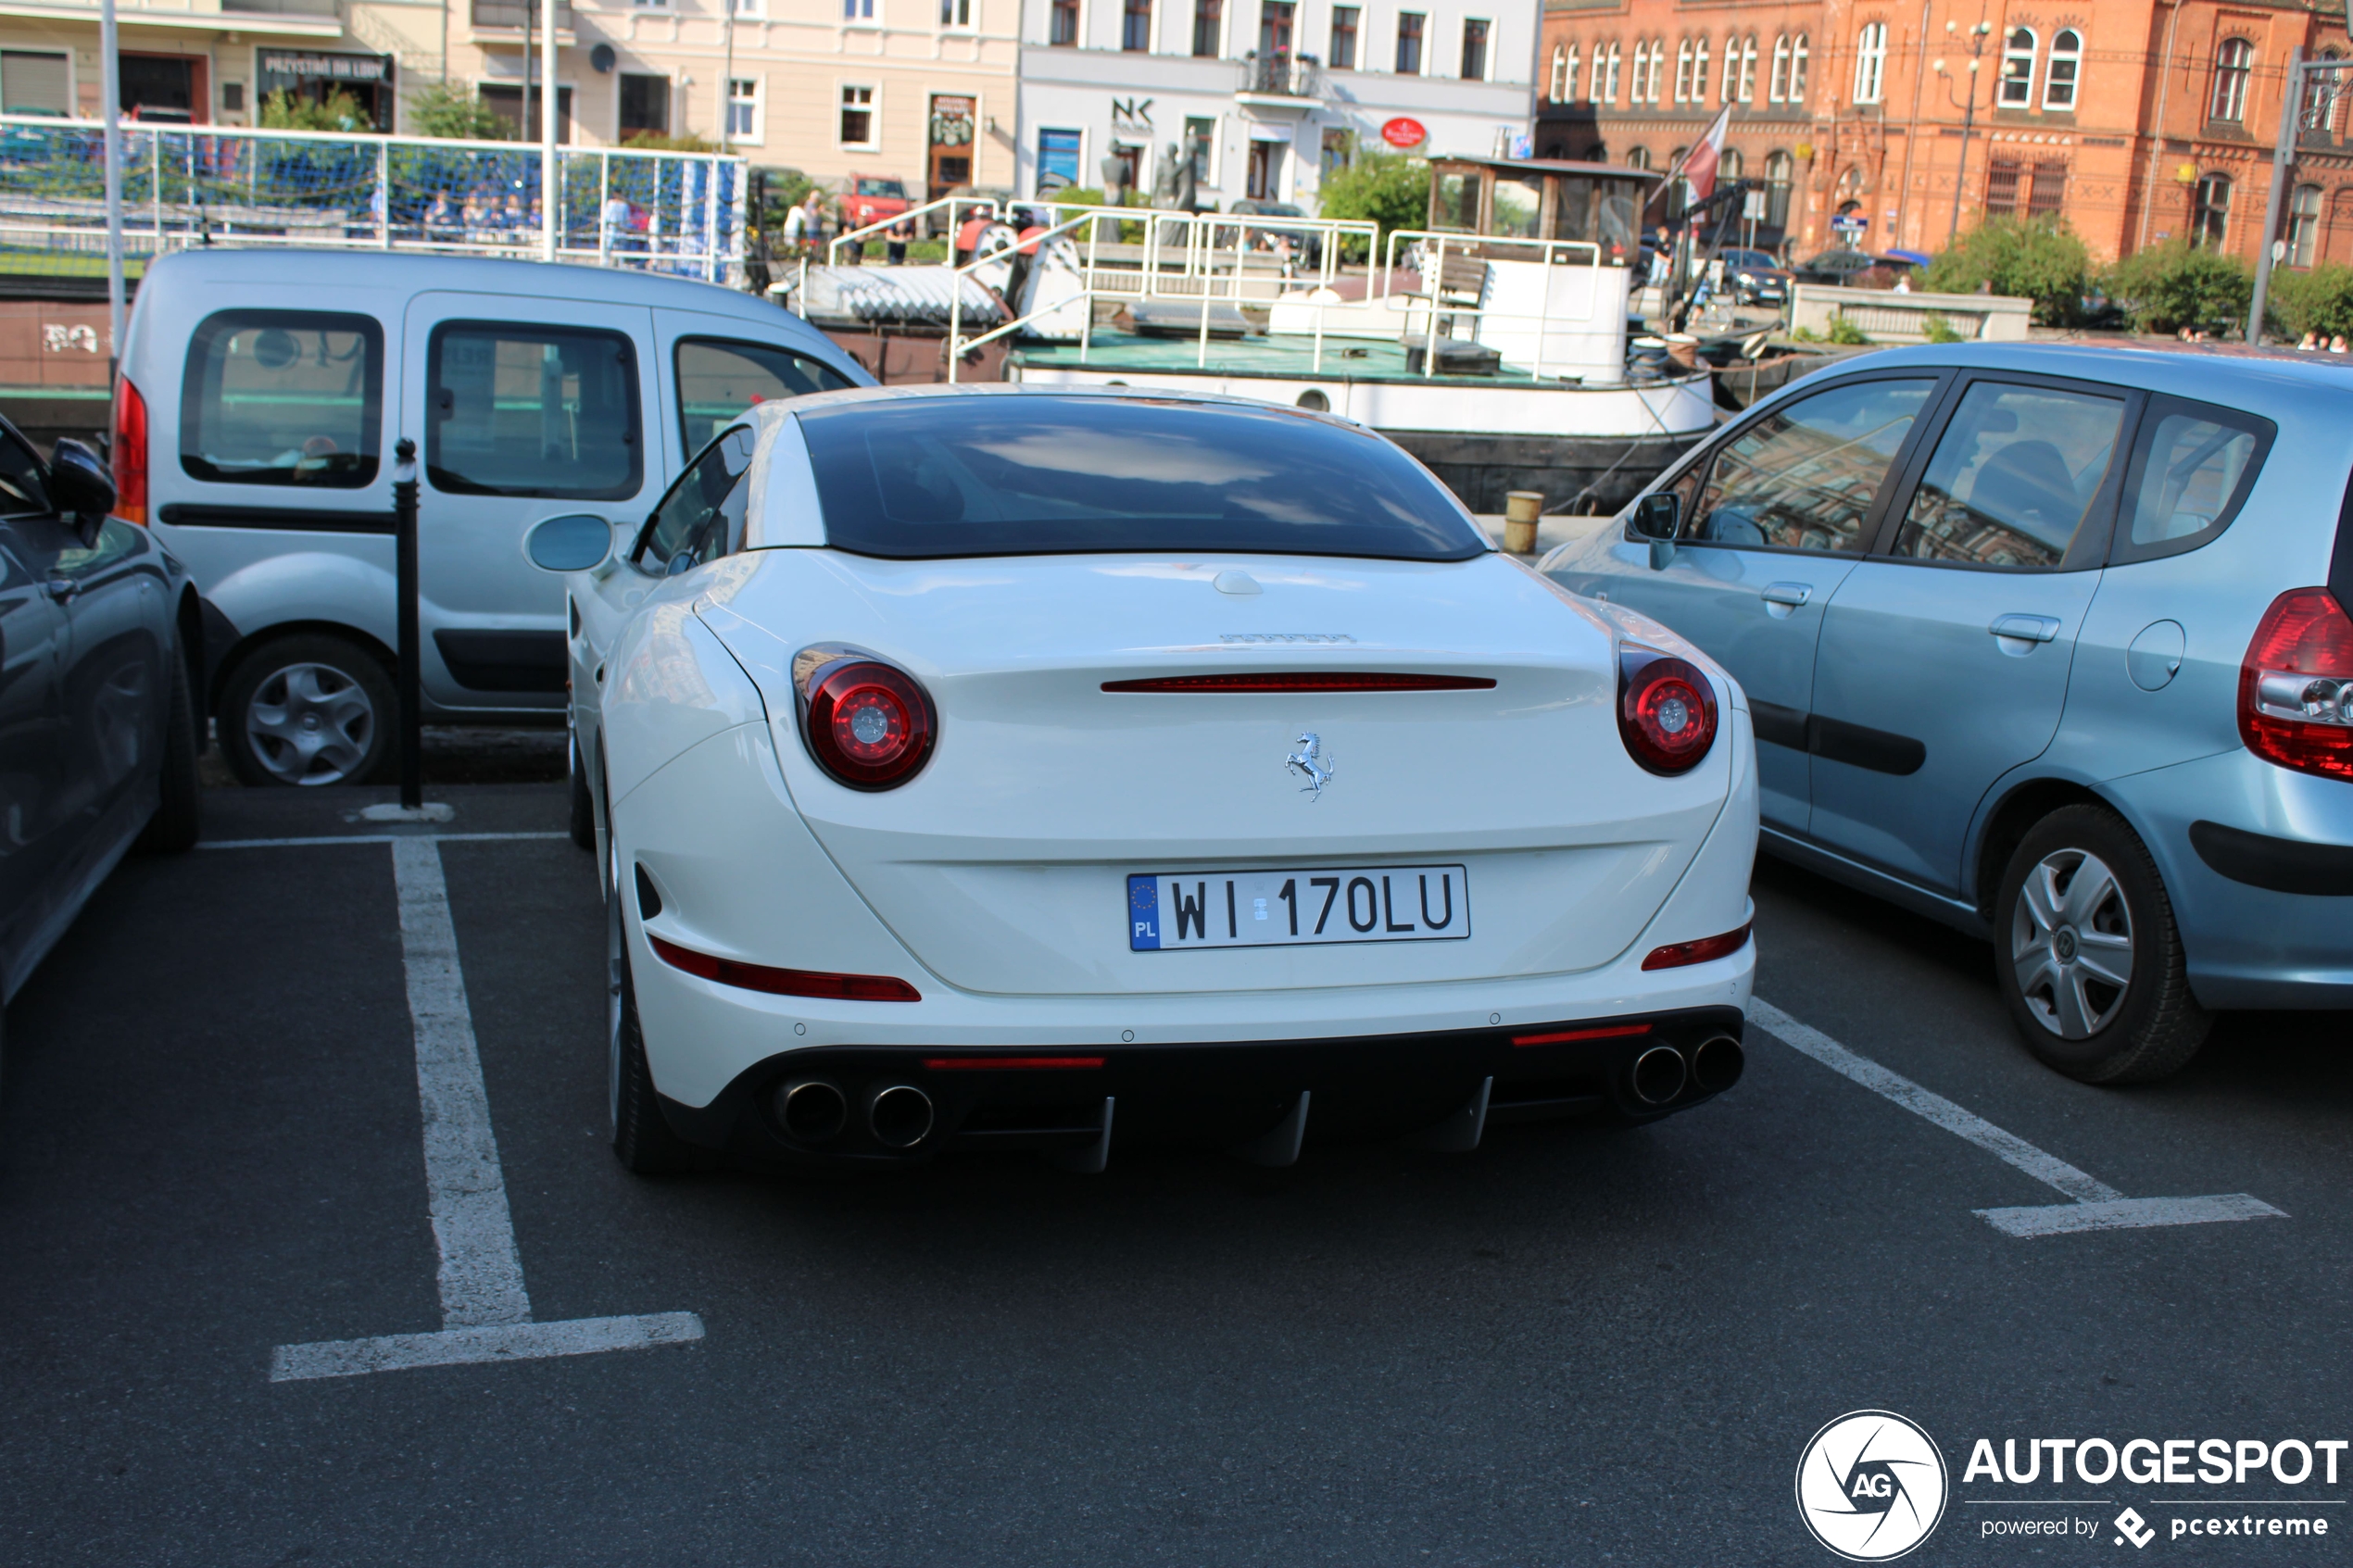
[2041, 259]
[2174, 285]
[337, 111]
[450, 111]
[1391, 190]
[2318, 301]
[655, 142]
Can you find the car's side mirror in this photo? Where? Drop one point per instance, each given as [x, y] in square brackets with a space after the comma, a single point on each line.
[81, 484]
[1657, 516]
[575, 542]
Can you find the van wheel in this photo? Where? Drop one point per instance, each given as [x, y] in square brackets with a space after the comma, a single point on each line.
[178, 813]
[2090, 960]
[309, 709]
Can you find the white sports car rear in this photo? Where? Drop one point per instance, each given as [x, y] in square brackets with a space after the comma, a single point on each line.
[973, 766]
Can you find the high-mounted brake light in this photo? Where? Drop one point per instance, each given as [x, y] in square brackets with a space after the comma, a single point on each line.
[1666, 709]
[784, 982]
[2296, 686]
[869, 726]
[1307, 681]
[1675, 954]
[127, 455]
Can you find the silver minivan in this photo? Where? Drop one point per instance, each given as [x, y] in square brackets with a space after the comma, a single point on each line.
[261, 400]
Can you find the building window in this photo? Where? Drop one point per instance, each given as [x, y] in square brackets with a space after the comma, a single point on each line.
[2017, 71]
[1606, 76]
[2304, 226]
[2321, 91]
[2059, 76]
[1558, 90]
[645, 104]
[1136, 27]
[2233, 62]
[2050, 188]
[2211, 218]
[743, 108]
[1343, 50]
[1683, 71]
[1474, 50]
[1747, 92]
[1409, 43]
[1732, 71]
[1776, 91]
[1061, 26]
[857, 116]
[955, 13]
[1797, 70]
[1634, 76]
[1275, 27]
[1200, 136]
[1699, 71]
[1658, 71]
[1727, 166]
[1870, 62]
[851, 10]
[1637, 158]
[2002, 174]
[1209, 24]
[1779, 169]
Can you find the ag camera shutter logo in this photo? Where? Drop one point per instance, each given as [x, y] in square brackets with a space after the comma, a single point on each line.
[1872, 1486]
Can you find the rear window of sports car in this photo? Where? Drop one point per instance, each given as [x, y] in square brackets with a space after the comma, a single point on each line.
[939, 477]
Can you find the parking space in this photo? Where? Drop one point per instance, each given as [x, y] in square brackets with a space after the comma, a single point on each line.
[1577, 1345]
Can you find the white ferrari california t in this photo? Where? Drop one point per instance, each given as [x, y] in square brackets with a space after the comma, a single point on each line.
[970, 764]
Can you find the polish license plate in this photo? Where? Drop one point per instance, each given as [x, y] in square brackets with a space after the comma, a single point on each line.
[1283, 909]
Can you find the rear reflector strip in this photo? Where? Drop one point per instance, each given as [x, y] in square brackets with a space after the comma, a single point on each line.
[1608, 1032]
[784, 982]
[1307, 681]
[1007, 1063]
[1675, 954]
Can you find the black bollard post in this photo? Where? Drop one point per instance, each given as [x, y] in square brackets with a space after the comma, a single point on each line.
[404, 513]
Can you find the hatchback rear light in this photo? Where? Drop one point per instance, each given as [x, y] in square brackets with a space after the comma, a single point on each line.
[1307, 681]
[1666, 709]
[127, 455]
[2296, 686]
[869, 726]
[784, 982]
[1675, 955]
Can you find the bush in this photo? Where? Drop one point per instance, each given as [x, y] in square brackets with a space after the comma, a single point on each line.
[1941, 330]
[2041, 259]
[2318, 301]
[1847, 334]
[654, 141]
[2173, 285]
[450, 111]
[1387, 188]
[338, 111]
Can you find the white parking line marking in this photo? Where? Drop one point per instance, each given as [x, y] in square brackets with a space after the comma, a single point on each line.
[371, 838]
[2098, 1205]
[485, 1313]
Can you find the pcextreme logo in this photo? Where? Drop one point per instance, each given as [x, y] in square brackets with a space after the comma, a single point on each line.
[1872, 1486]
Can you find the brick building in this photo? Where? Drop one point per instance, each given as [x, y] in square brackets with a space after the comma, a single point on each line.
[2137, 120]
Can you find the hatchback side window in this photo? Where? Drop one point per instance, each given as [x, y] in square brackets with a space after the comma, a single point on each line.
[2013, 477]
[285, 397]
[2193, 465]
[702, 518]
[719, 379]
[530, 410]
[1805, 476]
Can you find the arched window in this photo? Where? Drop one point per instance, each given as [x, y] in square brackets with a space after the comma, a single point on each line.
[2304, 226]
[1642, 68]
[1777, 89]
[1797, 70]
[1728, 165]
[1870, 62]
[1747, 92]
[2210, 218]
[2322, 89]
[1658, 70]
[1778, 168]
[1637, 158]
[1606, 74]
[2017, 70]
[1683, 71]
[1569, 77]
[1699, 69]
[1732, 65]
[2059, 76]
[2233, 63]
[1560, 94]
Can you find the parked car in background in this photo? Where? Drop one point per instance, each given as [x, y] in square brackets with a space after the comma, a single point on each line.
[870, 198]
[1754, 277]
[98, 721]
[255, 424]
[1306, 247]
[1852, 269]
[2052, 644]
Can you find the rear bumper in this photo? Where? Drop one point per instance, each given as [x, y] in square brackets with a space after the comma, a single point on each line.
[1227, 1092]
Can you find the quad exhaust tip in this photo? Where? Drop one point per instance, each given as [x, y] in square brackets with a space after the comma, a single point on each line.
[1658, 1075]
[1718, 1064]
[812, 1110]
[899, 1115]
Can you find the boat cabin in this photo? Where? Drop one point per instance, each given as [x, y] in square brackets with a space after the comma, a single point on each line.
[1595, 204]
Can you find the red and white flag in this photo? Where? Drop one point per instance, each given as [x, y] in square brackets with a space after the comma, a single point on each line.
[1698, 168]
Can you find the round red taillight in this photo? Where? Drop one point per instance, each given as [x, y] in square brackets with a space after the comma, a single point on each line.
[869, 726]
[1665, 711]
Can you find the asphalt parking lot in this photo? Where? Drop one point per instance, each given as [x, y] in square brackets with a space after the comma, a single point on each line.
[1575, 1345]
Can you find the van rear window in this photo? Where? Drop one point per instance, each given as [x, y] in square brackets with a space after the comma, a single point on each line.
[284, 397]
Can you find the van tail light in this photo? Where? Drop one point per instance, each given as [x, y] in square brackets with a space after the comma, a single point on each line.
[128, 453]
[1666, 709]
[868, 724]
[2296, 686]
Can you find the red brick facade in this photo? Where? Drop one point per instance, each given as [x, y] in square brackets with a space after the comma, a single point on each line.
[2136, 120]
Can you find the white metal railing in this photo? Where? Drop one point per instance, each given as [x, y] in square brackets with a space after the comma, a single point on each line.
[186, 186]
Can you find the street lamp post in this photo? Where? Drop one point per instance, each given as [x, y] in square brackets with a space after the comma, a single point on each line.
[1977, 37]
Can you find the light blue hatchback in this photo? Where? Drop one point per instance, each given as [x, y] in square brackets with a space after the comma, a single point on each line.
[2052, 644]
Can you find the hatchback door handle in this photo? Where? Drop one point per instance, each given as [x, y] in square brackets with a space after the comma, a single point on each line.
[2026, 627]
[62, 588]
[1789, 594]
